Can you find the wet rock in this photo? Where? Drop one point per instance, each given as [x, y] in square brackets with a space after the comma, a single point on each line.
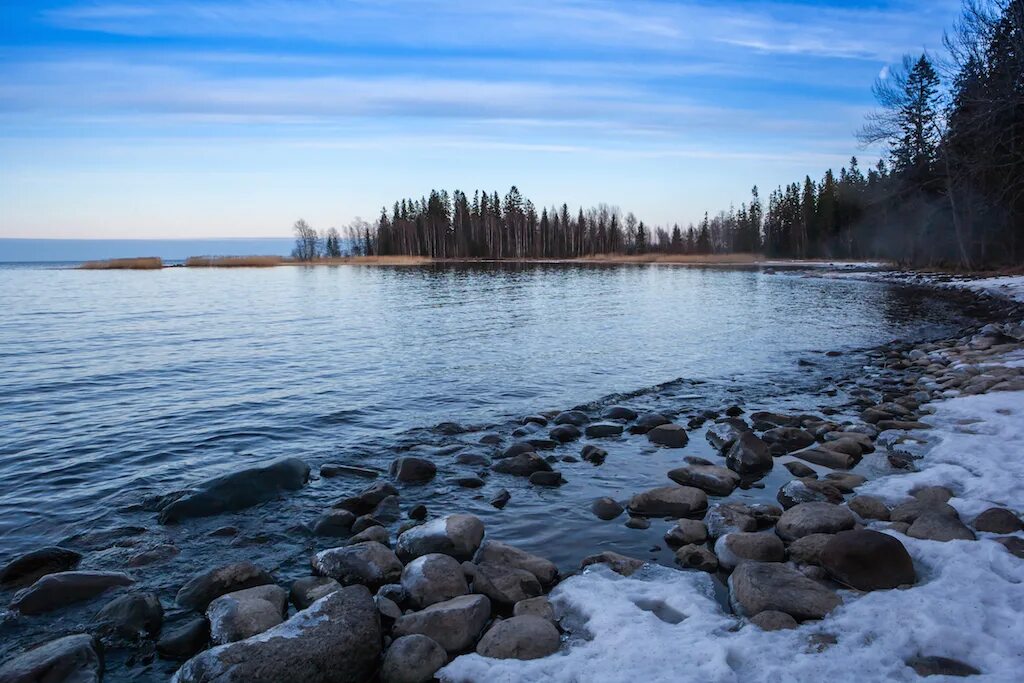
[25, 569]
[433, 578]
[697, 557]
[932, 495]
[522, 465]
[388, 609]
[57, 590]
[71, 659]
[647, 422]
[238, 490]
[154, 555]
[565, 433]
[807, 491]
[686, 532]
[412, 659]
[537, 607]
[723, 518]
[886, 425]
[307, 590]
[239, 615]
[517, 448]
[184, 640]
[619, 413]
[670, 435]
[826, 457]
[940, 526]
[756, 587]
[770, 620]
[807, 550]
[367, 500]
[131, 617]
[374, 533]
[535, 419]
[409, 469]
[846, 482]
[941, 666]
[869, 507]
[862, 440]
[669, 501]
[552, 478]
[418, 512]
[330, 470]
[749, 454]
[606, 508]
[620, 564]
[455, 535]
[473, 459]
[766, 420]
[450, 428]
[602, 430]
[469, 482]
[593, 454]
[522, 637]
[576, 418]
[717, 481]
[336, 640]
[734, 548]
[335, 522]
[496, 552]
[386, 511]
[638, 523]
[224, 532]
[453, 624]
[504, 585]
[369, 563]
[722, 435]
[501, 499]
[787, 439]
[998, 521]
[909, 512]
[813, 518]
[867, 560]
[490, 439]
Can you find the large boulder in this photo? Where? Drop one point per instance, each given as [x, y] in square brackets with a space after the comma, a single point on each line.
[455, 535]
[867, 560]
[57, 590]
[412, 659]
[238, 490]
[670, 435]
[336, 640]
[369, 563]
[718, 481]
[433, 578]
[749, 454]
[756, 587]
[453, 624]
[813, 518]
[25, 569]
[522, 637]
[496, 552]
[732, 549]
[71, 659]
[669, 501]
[239, 615]
[412, 470]
[131, 617]
[201, 590]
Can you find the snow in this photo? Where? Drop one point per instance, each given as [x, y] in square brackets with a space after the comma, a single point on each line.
[968, 603]
[1011, 286]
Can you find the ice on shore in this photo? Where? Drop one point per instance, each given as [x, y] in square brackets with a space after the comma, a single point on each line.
[1011, 286]
[968, 604]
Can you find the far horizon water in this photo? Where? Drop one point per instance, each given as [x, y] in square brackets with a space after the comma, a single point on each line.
[31, 250]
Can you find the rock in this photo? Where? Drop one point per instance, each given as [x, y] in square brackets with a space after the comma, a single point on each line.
[717, 481]
[620, 564]
[602, 430]
[869, 507]
[71, 659]
[939, 526]
[722, 435]
[501, 498]
[670, 435]
[522, 637]
[329, 470]
[455, 535]
[998, 521]
[886, 425]
[565, 433]
[807, 550]
[593, 454]
[334, 522]
[576, 418]
[697, 557]
[201, 590]
[687, 532]
[131, 617]
[388, 609]
[770, 620]
[433, 578]
[766, 420]
[367, 500]
[538, 607]
[606, 508]
[1013, 545]
[522, 465]
[185, 640]
[638, 523]
[749, 454]
[412, 659]
[369, 563]
[387, 511]
[336, 640]
[553, 478]
[756, 587]
[239, 615]
[863, 441]
[517, 448]
[490, 439]
[734, 548]
[238, 490]
[669, 501]
[377, 534]
[473, 459]
[502, 584]
[468, 482]
[826, 457]
[787, 439]
[619, 413]
[932, 494]
[908, 512]
[496, 552]
[846, 482]
[25, 569]
[807, 491]
[57, 590]
[309, 589]
[867, 560]
[813, 518]
[534, 419]
[647, 422]
[723, 518]
[941, 666]
[159, 553]
[453, 624]
[409, 469]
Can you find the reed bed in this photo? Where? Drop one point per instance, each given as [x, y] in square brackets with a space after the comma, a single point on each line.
[234, 261]
[141, 263]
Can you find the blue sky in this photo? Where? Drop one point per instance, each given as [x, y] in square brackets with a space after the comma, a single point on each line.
[124, 118]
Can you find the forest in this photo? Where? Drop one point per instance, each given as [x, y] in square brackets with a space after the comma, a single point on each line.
[948, 190]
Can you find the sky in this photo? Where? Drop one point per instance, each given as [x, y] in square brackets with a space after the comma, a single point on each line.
[217, 118]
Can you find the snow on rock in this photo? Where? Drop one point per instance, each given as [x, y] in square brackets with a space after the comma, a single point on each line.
[665, 625]
[1012, 286]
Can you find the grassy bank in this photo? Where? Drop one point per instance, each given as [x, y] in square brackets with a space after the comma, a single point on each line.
[233, 261]
[142, 263]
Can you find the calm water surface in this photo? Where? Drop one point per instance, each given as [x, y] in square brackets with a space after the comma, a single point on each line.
[119, 385]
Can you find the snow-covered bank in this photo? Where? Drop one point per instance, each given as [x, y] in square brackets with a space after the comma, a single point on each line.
[968, 603]
[1012, 287]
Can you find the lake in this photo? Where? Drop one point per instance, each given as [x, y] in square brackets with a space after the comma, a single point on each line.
[118, 385]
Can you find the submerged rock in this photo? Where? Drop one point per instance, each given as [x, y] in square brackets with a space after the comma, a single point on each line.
[522, 637]
[717, 481]
[619, 413]
[827, 457]
[201, 590]
[185, 640]
[71, 659]
[522, 465]
[63, 588]
[647, 422]
[576, 418]
[606, 509]
[25, 569]
[131, 617]
[601, 430]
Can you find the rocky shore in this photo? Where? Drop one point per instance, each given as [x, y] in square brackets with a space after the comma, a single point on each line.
[400, 592]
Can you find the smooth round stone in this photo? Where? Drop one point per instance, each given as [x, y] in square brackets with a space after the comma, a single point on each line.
[669, 435]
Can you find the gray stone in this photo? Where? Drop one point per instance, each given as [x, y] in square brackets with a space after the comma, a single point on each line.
[411, 470]
[869, 507]
[670, 435]
[722, 435]
[819, 455]
[734, 548]
[807, 491]
[619, 413]
[723, 518]
[938, 526]
[71, 659]
[522, 465]
[798, 469]
[239, 615]
[522, 637]
[576, 418]
[334, 522]
[504, 585]
[807, 550]
[433, 578]
[697, 557]
[367, 500]
[496, 552]
[455, 535]
[787, 439]
[717, 481]
[25, 569]
[601, 430]
[57, 590]
[932, 494]
[770, 620]
[941, 666]
[376, 533]
[748, 455]
[329, 470]
[756, 587]
[998, 521]
[620, 564]
[908, 512]
[564, 433]
[369, 563]
[131, 617]
[307, 590]
[238, 490]
[154, 555]
[453, 624]
[669, 501]
[1013, 545]
[606, 508]
[594, 455]
[846, 482]
[551, 479]
[501, 498]
[538, 607]
[412, 659]
[336, 640]
[813, 518]
[647, 422]
[184, 640]
[687, 532]
[867, 560]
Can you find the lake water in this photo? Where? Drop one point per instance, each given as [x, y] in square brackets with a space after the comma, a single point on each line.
[115, 386]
